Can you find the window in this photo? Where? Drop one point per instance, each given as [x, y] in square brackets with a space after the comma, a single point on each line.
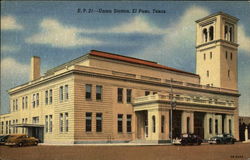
[34, 100]
[16, 127]
[210, 125]
[46, 97]
[226, 54]
[23, 127]
[66, 122]
[129, 124]
[98, 92]
[147, 93]
[61, 122]
[22, 102]
[16, 104]
[204, 56]
[228, 73]
[230, 126]
[46, 124]
[211, 55]
[35, 120]
[13, 127]
[119, 123]
[231, 56]
[216, 126]
[50, 123]
[153, 124]
[188, 124]
[26, 102]
[154, 93]
[98, 122]
[37, 99]
[226, 33]
[50, 96]
[61, 93]
[2, 127]
[66, 89]
[231, 34]
[211, 33]
[120, 95]
[129, 95]
[88, 121]
[204, 35]
[7, 129]
[207, 73]
[162, 124]
[88, 91]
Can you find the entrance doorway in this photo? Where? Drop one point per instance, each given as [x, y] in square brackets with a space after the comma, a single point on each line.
[199, 124]
[176, 123]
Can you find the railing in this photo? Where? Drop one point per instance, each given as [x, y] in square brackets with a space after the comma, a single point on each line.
[185, 99]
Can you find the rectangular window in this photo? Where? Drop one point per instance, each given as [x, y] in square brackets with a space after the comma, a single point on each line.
[2, 127]
[61, 93]
[226, 54]
[66, 88]
[147, 93]
[13, 127]
[119, 123]
[35, 120]
[88, 90]
[16, 104]
[16, 127]
[22, 102]
[119, 95]
[46, 97]
[204, 56]
[66, 122]
[98, 122]
[23, 127]
[37, 99]
[7, 129]
[26, 102]
[211, 55]
[129, 124]
[46, 124]
[231, 56]
[162, 124]
[34, 100]
[50, 96]
[88, 121]
[61, 122]
[50, 123]
[129, 95]
[98, 92]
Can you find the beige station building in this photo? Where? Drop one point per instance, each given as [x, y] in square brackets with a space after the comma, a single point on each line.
[103, 97]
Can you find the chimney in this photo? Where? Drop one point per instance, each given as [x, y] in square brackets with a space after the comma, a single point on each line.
[35, 68]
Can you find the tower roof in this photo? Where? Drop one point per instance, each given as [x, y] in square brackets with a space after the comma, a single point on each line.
[215, 14]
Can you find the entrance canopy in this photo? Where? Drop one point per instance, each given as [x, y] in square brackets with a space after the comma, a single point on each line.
[28, 125]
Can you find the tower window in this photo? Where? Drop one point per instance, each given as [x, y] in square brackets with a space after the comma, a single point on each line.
[228, 73]
[211, 33]
[211, 55]
[226, 54]
[204, 56]
[205, 35]
[231, 34]
[231, 56]
[207, 73]
[226, 33]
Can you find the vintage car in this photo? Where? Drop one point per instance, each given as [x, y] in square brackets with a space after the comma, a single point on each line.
[3, 139]
[21, 140]
[222, 139]
[188, 139]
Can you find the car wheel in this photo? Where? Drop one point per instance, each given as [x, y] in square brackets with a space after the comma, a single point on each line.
[35, 143]
[20, 144]
[217, 142]
[232, 142]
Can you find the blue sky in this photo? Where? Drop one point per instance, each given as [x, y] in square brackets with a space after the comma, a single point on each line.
[57, 33]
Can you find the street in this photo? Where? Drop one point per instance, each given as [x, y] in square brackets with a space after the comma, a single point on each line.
[238, 151]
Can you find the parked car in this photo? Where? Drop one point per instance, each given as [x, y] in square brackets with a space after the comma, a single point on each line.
[21, 140]
[3, 139]
[188, 139]
[222, 139]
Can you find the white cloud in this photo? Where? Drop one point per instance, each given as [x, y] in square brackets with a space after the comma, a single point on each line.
[10, 23]
[58, 35]
[9, 48]
[11, 68]
[243, 40]
[136, 25]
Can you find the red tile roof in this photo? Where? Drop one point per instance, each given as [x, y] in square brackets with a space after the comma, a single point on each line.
[135, 61]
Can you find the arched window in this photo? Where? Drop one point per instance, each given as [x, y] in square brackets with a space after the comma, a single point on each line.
[162, 124]
[231, 34]
[230, 126]
[207, 73]
[226, 33]
[228, 73]
[216, 126]
[153, 125]
[188, 124]
[204, 56]
[211, 33]
[210, 125]
[205, 35]
[231, 56]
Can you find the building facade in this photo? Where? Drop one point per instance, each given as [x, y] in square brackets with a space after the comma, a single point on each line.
[104, 97]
